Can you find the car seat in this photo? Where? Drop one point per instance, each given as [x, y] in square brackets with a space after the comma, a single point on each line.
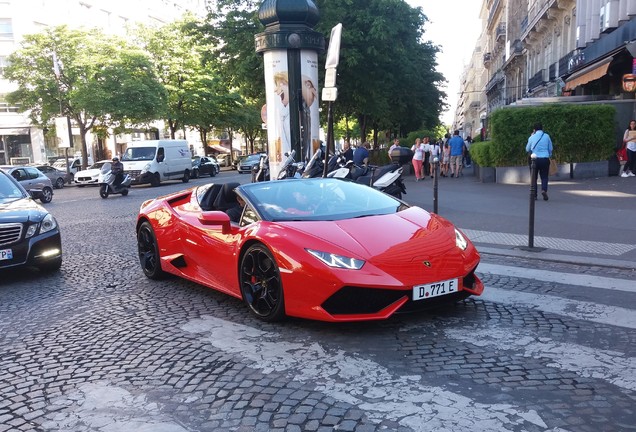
[207, 202]
[226, 199]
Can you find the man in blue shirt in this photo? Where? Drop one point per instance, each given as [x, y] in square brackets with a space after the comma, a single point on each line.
[361, 154]
[540, 144]
[456, 144]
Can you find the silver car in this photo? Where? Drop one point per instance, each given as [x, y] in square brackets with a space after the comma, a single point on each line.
[33, 180]
[58, 177]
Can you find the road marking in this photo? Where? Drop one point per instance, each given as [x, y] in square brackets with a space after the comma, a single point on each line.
[562, 278]
[603, 314]
[361, 382]
[610, 366]
[569, 245]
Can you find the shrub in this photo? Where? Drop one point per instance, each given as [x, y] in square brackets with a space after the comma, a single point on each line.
[480, 153]
[580, 133]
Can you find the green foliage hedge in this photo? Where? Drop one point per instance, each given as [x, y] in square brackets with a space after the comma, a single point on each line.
[580, 133]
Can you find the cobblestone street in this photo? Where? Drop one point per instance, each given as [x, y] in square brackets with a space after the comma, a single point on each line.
[98, 347]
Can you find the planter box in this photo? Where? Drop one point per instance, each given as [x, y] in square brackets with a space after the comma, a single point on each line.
[484, 174]
[590, 169]
[513, 175]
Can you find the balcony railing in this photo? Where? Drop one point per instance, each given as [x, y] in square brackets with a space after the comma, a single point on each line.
[552, 72]
[537, 80]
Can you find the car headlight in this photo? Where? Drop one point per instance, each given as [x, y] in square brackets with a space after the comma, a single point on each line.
[337, 261]
[48, 223]
[460, 240]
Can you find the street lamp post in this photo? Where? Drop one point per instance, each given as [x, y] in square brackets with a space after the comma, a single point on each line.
[290, 49]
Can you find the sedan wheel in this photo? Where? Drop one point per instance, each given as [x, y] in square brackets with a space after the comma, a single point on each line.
[149, 252]
[47, 195]
[261, 286]
[59, 183]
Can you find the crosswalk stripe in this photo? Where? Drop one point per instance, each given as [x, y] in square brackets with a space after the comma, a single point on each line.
[558, 277]
[355, 380]
[610, 315]
[587, 362]
[569, 245]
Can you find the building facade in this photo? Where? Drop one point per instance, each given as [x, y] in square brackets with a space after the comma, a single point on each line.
[21, 142]
[557, 50]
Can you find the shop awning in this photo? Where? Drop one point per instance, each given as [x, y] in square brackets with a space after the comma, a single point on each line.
[14, 131]
[589, 73]
[219, 148]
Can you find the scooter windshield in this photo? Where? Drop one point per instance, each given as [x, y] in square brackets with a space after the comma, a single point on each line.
[105, 168]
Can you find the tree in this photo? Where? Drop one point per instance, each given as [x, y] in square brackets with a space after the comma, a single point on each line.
[178, 62]
[96, 80]
[386, 76]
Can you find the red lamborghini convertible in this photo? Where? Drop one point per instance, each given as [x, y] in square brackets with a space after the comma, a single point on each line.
[324, 249]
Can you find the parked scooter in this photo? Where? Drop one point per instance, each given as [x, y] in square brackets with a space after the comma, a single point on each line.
[106, 183]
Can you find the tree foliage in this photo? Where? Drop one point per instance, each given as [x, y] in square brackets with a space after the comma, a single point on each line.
[95, 79]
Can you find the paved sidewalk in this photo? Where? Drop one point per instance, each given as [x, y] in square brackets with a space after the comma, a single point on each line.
[586, 220]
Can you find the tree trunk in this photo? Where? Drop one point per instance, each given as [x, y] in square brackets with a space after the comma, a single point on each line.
[362, 120]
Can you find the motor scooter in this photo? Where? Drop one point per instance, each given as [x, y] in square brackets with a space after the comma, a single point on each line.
[106, 182]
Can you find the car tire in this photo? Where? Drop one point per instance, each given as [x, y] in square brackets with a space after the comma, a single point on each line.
[59, 183]
[186, 176]
[47, 195]
[195, 174]
[148, 251]
[155, 180]
[261, 285]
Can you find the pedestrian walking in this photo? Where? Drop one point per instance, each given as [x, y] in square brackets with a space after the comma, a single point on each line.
[435, 153]
[418, 158]
[445, 159]
[456, 153]
[467, 160]
[629, 140]
[396, 144]
[426, 164]
[540, 144]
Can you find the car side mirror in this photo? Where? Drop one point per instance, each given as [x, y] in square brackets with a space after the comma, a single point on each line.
[216, 218]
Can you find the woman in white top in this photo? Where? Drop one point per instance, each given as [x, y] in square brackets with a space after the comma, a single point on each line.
[435, 153]
[418, 157]
[630, 142]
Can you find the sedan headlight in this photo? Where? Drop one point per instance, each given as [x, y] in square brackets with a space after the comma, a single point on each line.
[48, 223]
[460, 240]
[337, 261]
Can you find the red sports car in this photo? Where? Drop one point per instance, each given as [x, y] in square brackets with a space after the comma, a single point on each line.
[324, 249]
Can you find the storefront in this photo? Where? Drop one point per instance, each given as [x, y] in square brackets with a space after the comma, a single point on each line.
[15, 146]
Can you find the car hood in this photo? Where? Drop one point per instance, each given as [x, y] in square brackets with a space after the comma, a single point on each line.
[21, 210]
[389, 237]
[88, 172]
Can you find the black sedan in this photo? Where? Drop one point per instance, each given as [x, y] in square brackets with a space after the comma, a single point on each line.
[204, 166]
[29, 235]
[246, 164]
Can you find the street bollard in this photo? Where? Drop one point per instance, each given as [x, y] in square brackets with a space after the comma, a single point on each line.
[533, 195]
[435, 168]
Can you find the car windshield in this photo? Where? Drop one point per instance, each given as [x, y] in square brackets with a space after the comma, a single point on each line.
[139, 153]
[97, 165]
[8, 189]
[317, 199]
[251, 158]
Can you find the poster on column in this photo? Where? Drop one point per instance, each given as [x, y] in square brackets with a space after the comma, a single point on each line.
[277, 98]
[310, 116]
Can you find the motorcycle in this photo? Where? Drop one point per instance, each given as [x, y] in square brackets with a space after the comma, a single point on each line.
[387, 178]
[106, 183]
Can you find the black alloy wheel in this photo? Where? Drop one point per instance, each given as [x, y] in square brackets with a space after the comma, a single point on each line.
[149, 252]
[261, 285]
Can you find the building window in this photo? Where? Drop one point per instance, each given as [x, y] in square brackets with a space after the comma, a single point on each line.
[4, 62]
[6, 29]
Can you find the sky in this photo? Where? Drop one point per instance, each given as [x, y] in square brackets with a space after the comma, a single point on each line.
[453, 25]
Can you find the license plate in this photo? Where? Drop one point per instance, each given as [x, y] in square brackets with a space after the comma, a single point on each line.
[435, 289]
[6, 254]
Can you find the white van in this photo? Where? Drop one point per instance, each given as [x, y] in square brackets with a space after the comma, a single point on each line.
[154, 161]
[75, 164]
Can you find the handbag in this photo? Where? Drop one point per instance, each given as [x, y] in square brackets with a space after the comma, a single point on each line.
[622, 154]
[554, 168]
